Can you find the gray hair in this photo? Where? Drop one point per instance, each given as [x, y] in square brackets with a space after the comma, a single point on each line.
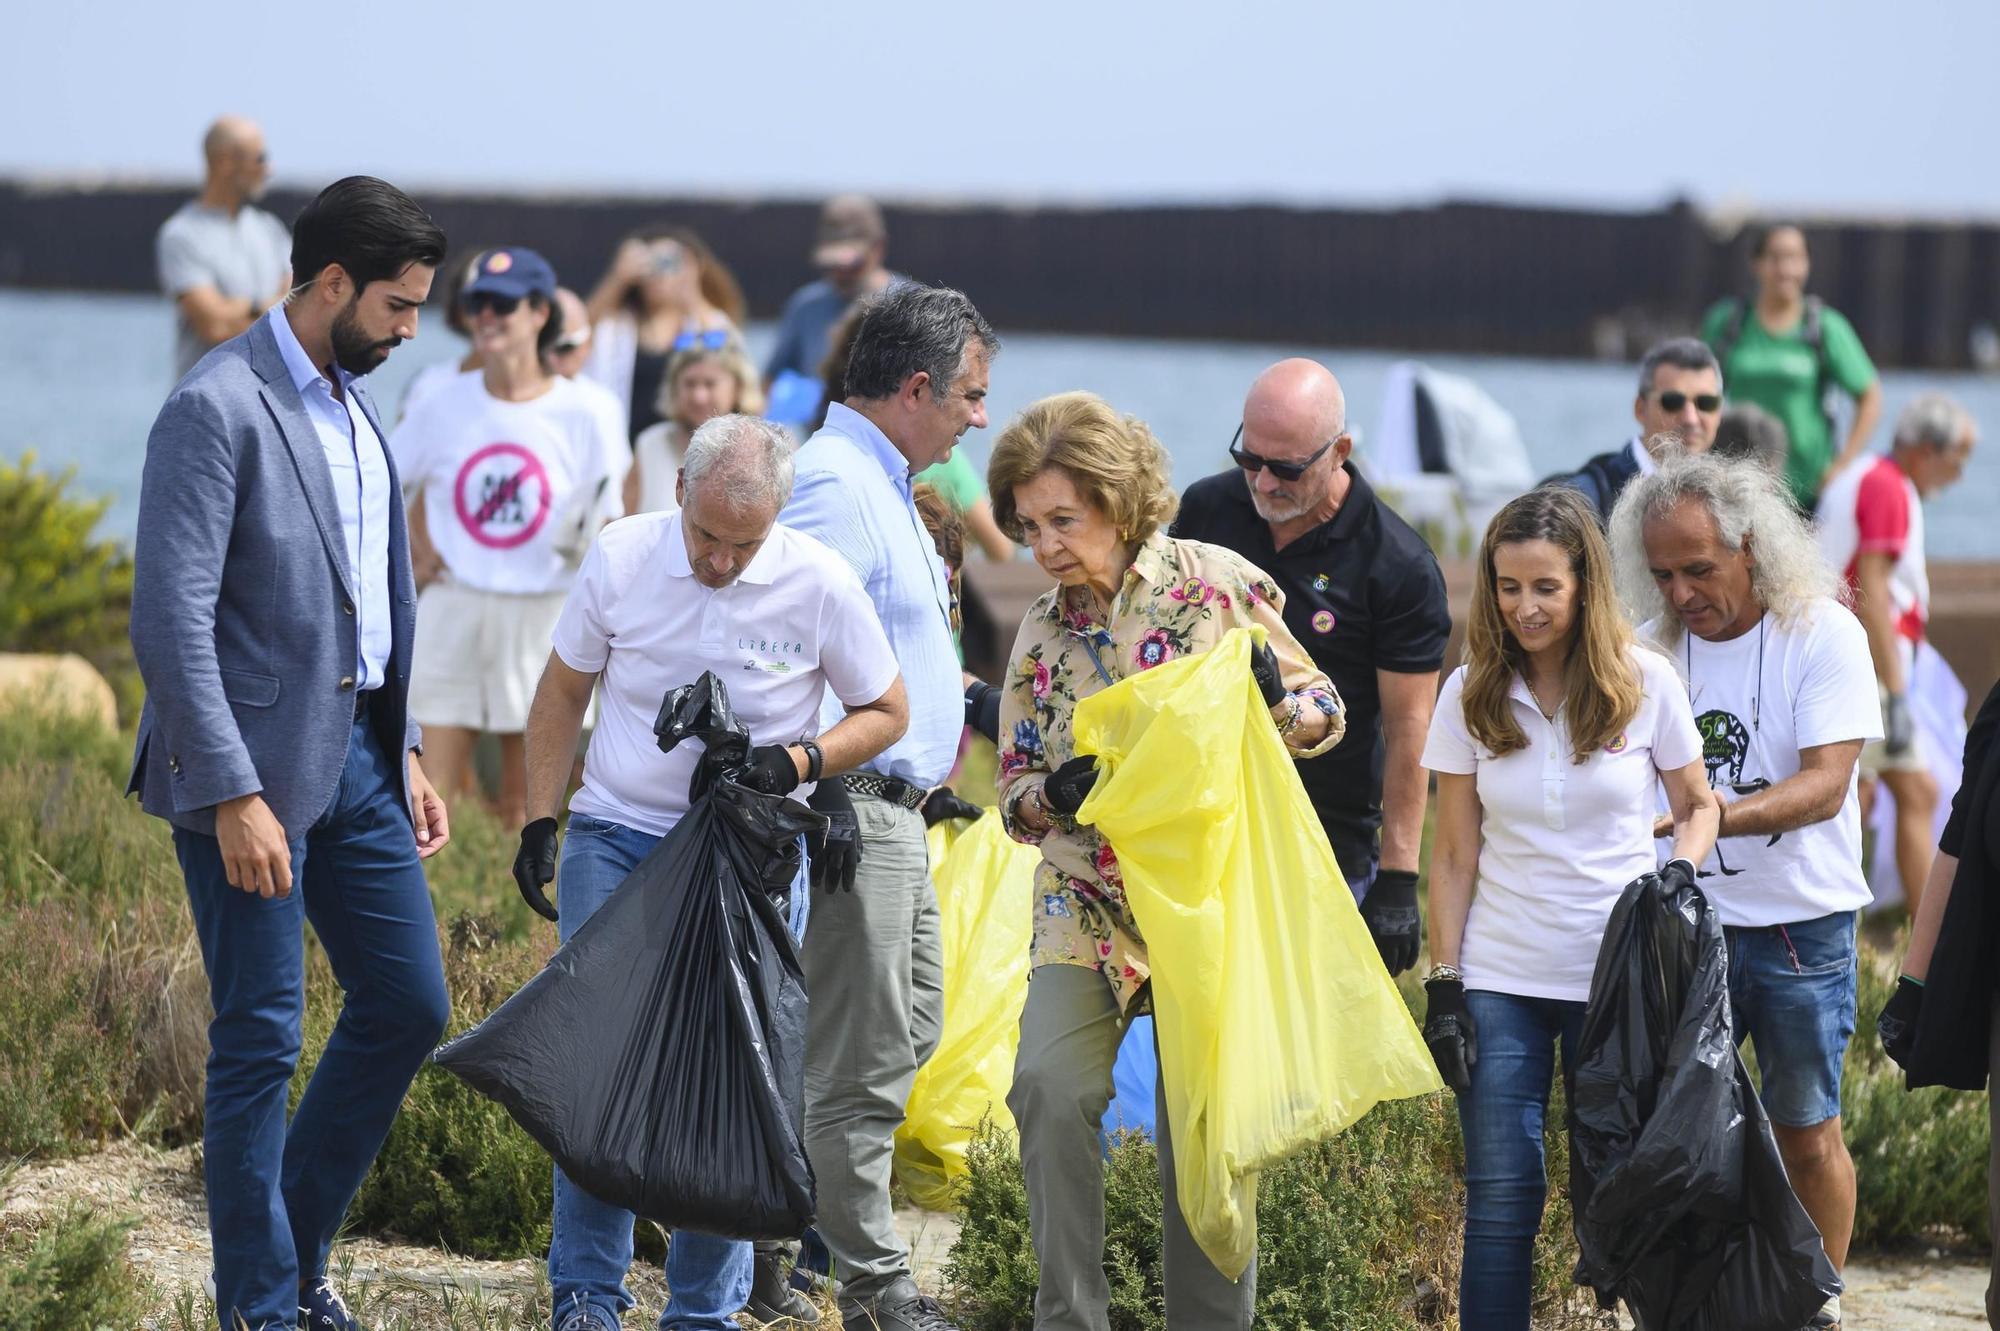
[1933, 420]
[909, 328]
[751, 460]
[1686, 353]
[1747, 501]
[1747, 431]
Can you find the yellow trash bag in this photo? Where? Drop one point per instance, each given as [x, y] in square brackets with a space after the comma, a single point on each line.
[1278, 1025]
[985, 887]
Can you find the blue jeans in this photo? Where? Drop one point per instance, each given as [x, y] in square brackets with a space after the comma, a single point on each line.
[590, 1250]
[1792, 988]
[1506, 1178]
[277, 1193]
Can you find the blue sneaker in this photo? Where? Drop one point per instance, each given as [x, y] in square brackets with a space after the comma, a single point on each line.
[322, 1309]
[587, 1317]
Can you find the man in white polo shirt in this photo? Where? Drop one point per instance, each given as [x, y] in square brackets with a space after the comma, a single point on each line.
[1723, 568]
[715, 585]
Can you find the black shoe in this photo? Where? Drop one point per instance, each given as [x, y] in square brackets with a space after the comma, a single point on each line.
[772, 1298]
[322, 1309]
[902, 1308]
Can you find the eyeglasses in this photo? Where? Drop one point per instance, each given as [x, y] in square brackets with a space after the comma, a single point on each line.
[569, 342]
[481, 301]
[711, 339]
[1284, 471]
[1674, 400]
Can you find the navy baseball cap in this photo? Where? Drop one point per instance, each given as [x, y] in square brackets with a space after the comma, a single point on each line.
[512, 272]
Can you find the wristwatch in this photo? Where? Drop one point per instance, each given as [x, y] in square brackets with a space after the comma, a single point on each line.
[815, 759]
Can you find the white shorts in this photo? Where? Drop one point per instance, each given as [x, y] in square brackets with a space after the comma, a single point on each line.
[479, 656]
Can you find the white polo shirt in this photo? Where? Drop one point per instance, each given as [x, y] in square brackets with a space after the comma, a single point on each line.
[1560, 841]
[793, 626]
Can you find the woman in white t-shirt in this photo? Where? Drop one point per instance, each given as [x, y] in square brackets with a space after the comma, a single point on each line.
[516, 468]
[702, 381]
[665, 290]
[1546, 744]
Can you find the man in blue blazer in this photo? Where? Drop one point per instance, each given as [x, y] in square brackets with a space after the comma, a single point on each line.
[272, 616]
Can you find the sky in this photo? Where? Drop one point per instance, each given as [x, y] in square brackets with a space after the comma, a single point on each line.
[1836, 107]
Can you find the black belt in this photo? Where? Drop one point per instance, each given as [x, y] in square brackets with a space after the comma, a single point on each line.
[362, 700]
[884, 787]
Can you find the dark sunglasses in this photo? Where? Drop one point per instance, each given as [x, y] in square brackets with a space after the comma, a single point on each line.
[1284, 471]
[481, 301]
[1673, 400]
[712, 339]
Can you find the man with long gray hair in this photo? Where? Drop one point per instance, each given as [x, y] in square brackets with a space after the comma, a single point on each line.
[713, 585]
[916, 382]
[1724, 574]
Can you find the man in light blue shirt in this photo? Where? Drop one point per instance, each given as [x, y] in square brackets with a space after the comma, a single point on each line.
[916, 382]
[362, 487]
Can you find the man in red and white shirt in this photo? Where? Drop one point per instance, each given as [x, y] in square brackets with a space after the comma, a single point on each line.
[1872, 526]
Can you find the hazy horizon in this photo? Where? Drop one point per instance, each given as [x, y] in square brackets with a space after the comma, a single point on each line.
[1830, 110]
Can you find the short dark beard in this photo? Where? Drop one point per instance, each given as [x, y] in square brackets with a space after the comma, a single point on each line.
[353, 350]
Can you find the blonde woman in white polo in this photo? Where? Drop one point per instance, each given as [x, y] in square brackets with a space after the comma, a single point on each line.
[1546, 744]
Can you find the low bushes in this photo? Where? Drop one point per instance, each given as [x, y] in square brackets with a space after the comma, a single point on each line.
[70, 1273]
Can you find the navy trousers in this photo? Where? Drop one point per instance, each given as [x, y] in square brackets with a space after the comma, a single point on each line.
[277, 1191]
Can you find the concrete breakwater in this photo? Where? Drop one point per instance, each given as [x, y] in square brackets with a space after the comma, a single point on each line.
[1964, 626]
[1454, 277]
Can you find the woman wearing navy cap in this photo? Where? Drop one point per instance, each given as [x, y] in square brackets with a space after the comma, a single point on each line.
[517, 468]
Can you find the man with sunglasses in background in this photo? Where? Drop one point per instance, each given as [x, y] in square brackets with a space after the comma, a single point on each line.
[1680, 394]
[1364, 594]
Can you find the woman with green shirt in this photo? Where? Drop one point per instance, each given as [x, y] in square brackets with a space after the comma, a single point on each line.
[1782, 350]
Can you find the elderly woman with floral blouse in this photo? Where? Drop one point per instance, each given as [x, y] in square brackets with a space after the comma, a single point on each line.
[1086, 490]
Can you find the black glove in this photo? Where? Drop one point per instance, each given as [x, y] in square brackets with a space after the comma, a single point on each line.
[1677, 875]
[1390, 911]
[982, 709]
[1448, 1031]
[1069, 785]
[1897, 1021]
[771, 770]
[535, 865]
[944, 803]
[837, 856]
[1264, 669]
[1899, 727]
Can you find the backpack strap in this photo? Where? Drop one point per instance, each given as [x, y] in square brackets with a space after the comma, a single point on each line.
[1732, 333]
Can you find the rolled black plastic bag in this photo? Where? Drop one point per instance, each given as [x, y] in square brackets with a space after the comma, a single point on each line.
[1682, 1207]
[659, 1056]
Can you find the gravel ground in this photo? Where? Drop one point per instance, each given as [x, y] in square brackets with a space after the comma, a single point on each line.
[1899, 1292]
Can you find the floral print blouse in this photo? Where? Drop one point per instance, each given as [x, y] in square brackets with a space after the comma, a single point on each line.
[1179, 598]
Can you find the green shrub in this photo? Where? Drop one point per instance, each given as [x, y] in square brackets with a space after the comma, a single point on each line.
[1918, 1155]
[63, 1071]
[62, 589]
[1354, 1234]
[456, 1172]
[70, 1273]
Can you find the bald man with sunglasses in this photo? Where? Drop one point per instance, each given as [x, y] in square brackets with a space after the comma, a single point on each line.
[1364, 595]
[1680, 397]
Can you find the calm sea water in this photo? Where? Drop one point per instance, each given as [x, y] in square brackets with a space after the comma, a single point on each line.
[81, 377]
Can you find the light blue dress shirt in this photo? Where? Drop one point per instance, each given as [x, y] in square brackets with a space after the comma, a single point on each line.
[361, 483]
[853, 492]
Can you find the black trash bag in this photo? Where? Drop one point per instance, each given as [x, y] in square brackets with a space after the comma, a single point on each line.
[1681, 1203]
[659, 1057]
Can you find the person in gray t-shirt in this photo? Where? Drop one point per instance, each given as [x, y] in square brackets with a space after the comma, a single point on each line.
[222, 261]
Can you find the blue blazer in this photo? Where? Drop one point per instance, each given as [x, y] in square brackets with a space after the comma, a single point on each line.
[243, 604]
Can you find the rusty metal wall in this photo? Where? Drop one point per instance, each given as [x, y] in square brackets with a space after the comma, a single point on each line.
[1456, 277]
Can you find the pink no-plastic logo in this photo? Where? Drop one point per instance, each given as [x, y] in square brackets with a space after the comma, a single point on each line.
[502, 496]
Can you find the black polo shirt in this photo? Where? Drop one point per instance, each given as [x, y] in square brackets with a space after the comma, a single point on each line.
[1362, 593]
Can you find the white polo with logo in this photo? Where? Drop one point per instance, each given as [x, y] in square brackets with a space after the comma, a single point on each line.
[1560, 839]
[795, 625]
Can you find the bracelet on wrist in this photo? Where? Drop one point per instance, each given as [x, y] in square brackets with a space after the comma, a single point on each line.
[1441, 971]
